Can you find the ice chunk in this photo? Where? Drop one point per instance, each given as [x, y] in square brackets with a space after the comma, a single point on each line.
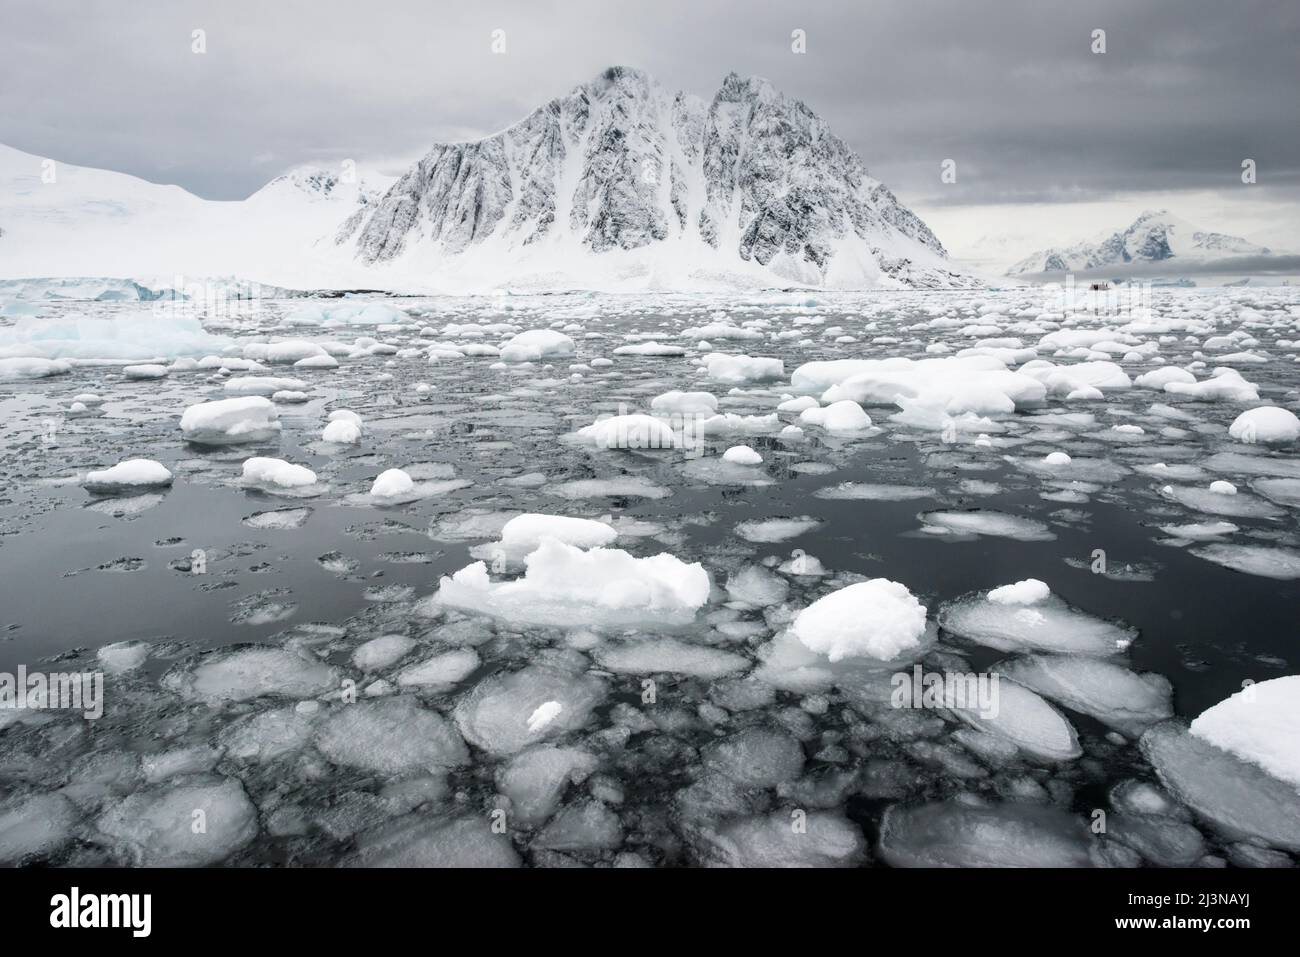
[1280, 563]
[1238, 797]
[736, 369]
[1119, 698]
[950, 834]
[441, 670]
[742, 455]
[843, 416]
[250, 673]
[586, 827]
[390, 736]
[1030, 591]
[1259, 724]
[872, 619]
[757, 586]
[536, 344]
[767, 531]
[131, 475]
[756, 758]
[420, 841]
[155, 828]
[822, 839]
[34, 827]
[535, 780]
[627, 486]
[392, 483]
[1047, 625]
[379, 653]
[981, 521]
[228, 421]
[495, 714]
[636, 431]
[524, 533]
[263, 385]
[1268, 424]
[670, 656]
[1021, 717]
[342, 432]
[563, 584]
[277, 472]
[267, 735]
[122, 656]
[685, 403]
[871, 492]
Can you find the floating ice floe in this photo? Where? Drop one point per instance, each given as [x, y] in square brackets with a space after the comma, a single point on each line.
[1021, 717]
[263, 385]
[827, 839]
[985, 522]
[668, 656]
[563, 584]
[685, 403]
[261, 472]
[1238, 797]
[650, 349]
[873, 619]
[230, 421]
[441, 671]
[247, 673]
[626, 486]
[421, 841]
[951, 834]
[155, 828]
[842, 416]
[129, 476]
[16, 369]
[35, 826]
[871, 492]
[1258, 724]
[767, 531]
[495, 714]
[1047, 624]
[1119, 698]
[742, 455]
[524, 533]
[954, 385]
[390, 736]
[1268, 424]
[1030, 591]
[535, 780]
[728, 368]
[536, 344]
[635, 431]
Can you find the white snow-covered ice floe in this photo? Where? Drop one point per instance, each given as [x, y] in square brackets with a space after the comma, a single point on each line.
[599, 587]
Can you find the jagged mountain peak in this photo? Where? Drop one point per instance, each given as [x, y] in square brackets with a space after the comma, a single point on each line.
[748, 181]
[1156, 236]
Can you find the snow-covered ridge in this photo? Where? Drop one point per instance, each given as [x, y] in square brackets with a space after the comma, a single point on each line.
[752, 182]
[1154, 237]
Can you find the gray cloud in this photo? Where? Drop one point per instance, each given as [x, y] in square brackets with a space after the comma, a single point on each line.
[1010, 91]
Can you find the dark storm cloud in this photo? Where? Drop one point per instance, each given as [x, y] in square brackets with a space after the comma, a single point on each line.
[1009, 90]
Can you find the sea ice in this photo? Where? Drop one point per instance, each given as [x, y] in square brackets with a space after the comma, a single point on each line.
[873, 619]
[131, 476]
[228, 421]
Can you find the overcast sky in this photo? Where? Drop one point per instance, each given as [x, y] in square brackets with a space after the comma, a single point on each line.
[1009, 90]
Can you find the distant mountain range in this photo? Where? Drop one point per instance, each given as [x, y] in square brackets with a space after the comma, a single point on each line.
[620, 184]
[1155, 237]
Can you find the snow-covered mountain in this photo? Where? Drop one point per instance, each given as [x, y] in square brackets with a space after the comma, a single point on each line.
[65, 220]
[622, 178]
[1154, 237]
[620, 184]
